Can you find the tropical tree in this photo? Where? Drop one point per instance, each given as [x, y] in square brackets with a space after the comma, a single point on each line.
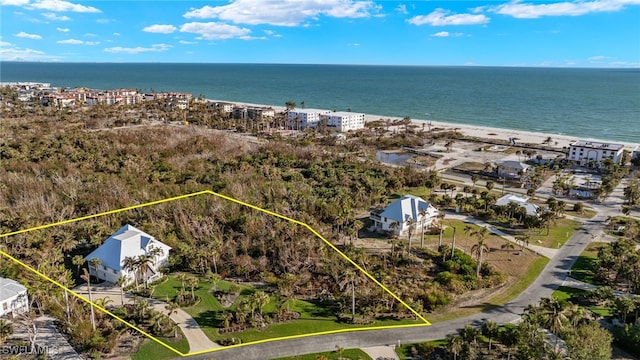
[455, 345]
[130, 265]
[480, 247]
[410, 228]
[490, 330]
[86, 277]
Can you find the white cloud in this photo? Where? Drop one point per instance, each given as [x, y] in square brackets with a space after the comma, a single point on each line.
[447, 34]
[23, 34]
[64, 30]
[215, 30]
[116, 34]
[402, 9]
[160, 29]
[441, 17]
[103, 21]
[139, 49]
[521, 10]
[60, 6]
[10, 52]
[184, 42]
[272, 33]
[14, 2]
[353, 44]
[441, 34]
[284, 13]
[77, 42]
[52, 16]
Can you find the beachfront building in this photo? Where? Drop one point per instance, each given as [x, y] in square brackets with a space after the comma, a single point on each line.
[585, 152]
[512, 170]
[13, 298]
[395, 218]
[344, 121]
[532, 209]
[303, 118]
[128, 242]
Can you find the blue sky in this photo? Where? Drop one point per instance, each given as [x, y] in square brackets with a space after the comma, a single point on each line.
[587, 33]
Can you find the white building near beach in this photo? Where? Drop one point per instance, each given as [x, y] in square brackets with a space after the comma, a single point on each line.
[13, 298]
[586, 152]
[128, 242]
[344, 121]
[532, 209]
[407, 211]
[304, 118]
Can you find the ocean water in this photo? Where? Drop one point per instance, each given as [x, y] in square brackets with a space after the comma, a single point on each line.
[590, 103]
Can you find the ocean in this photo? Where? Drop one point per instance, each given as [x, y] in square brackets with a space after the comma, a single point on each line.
[588, 103]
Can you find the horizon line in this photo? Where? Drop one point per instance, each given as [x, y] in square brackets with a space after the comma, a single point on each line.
[321, 64]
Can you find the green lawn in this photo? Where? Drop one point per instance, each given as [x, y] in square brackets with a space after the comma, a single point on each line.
[560, 231]
[565, 293]
[314, 317]
[152, 350]
[583, 267]
[332, 355]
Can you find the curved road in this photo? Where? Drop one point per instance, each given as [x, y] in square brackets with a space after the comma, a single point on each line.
[550, 278]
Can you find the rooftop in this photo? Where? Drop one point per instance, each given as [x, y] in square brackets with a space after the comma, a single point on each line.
[597, 145]
[10, 288]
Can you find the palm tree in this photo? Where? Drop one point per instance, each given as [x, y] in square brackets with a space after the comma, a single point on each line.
[130, 265]
[455, 345]
[121, 283]
[85, 276]
[193, 283]
[395, 225]
[410, 227]
[78, 260]
[262, 299]
[480, 247]
[490, 330]
[508, 246]
[453, 242]
[144, 261]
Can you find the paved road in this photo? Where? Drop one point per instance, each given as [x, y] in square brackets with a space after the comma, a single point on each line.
[551, 277]
[49, 339]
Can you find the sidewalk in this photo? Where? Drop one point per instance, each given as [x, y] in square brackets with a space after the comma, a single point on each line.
[381, 352]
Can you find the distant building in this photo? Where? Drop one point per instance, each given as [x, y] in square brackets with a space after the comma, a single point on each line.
[512, 169]
[586, 152]
[532, 209]
[128, 242]
[304, 118]
[13, 298]
[344, 121]
[394, 217]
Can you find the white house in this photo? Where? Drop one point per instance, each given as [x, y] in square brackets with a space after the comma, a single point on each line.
[344, 121]
[304, 118]
[401, 210]
[13, 298]
[585, 152]
[512, 169]
[128, 242]
[532, 209]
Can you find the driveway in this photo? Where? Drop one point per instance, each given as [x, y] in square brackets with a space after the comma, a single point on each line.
[197, 339]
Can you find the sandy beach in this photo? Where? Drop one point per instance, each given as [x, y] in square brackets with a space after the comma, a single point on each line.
[484, 132]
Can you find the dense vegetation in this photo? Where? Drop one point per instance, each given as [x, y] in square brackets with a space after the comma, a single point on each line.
[54, 169]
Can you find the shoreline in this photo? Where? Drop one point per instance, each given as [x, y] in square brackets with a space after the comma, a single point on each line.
[477, 131]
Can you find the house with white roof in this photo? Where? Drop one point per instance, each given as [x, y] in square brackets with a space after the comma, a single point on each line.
[13, 298]
[510, 169]
[128, 242]
[532, 209]
[394, 217]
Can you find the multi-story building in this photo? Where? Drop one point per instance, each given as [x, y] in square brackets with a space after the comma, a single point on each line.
[344, 121]
[586, 152]
[13, 298]
[303, 118]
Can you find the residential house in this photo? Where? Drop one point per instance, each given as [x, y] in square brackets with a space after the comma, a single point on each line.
[344, 121]
[13, 298]
[394, 217]
[128, 242]
[586, 152]
[532, 209]
[512, 170]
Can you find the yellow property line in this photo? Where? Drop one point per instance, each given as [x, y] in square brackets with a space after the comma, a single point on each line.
[91, 303]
